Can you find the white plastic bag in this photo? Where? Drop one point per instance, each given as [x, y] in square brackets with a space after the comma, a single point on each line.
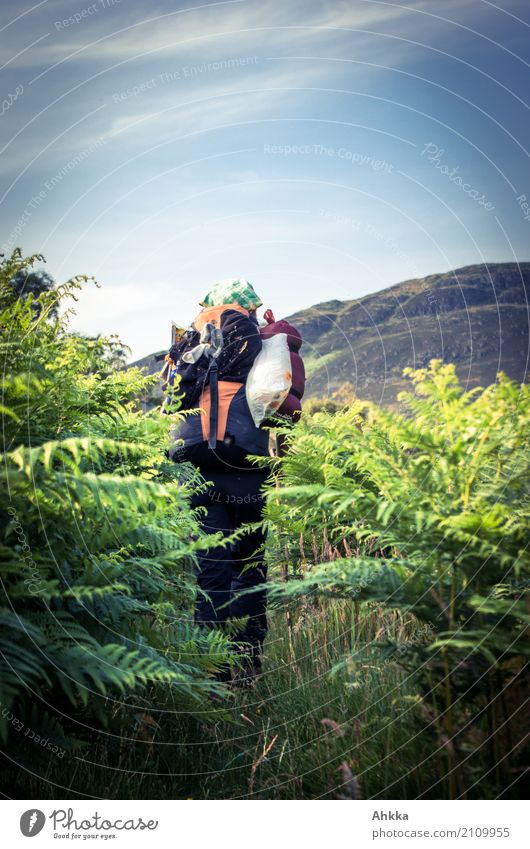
[270, 378]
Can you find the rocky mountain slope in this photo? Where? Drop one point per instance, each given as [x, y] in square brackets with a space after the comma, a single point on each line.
[476, 317]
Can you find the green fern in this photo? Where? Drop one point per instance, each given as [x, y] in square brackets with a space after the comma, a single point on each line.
[426, 511]
[98, 538]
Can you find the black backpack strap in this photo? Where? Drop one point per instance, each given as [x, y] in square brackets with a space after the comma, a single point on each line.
[214, 404]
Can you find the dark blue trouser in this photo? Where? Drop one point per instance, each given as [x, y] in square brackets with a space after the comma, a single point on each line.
[233, 499]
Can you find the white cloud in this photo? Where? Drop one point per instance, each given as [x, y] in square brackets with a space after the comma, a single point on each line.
[128, 33]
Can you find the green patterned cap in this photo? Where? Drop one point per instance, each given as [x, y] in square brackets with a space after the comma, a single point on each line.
[232, 292]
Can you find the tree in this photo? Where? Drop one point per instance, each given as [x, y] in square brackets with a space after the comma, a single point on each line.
[33, 282]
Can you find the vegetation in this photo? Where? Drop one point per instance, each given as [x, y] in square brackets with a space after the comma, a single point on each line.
[28, 281]
[427, 513]
[397, 657]
[97, 544]
[341, 397]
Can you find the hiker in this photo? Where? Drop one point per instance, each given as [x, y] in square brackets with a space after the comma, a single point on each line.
[213, 359]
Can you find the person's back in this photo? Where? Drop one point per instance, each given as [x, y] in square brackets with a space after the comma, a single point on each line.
[213, 368]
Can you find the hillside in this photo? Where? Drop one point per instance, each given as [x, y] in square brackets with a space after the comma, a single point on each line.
[476, 317]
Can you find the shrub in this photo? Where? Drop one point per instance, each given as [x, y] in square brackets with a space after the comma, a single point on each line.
[428, 511]
[98, 538]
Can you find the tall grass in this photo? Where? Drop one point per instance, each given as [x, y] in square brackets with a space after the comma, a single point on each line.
[309, 729]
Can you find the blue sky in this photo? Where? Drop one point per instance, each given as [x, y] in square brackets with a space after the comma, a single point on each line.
[321, 149]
